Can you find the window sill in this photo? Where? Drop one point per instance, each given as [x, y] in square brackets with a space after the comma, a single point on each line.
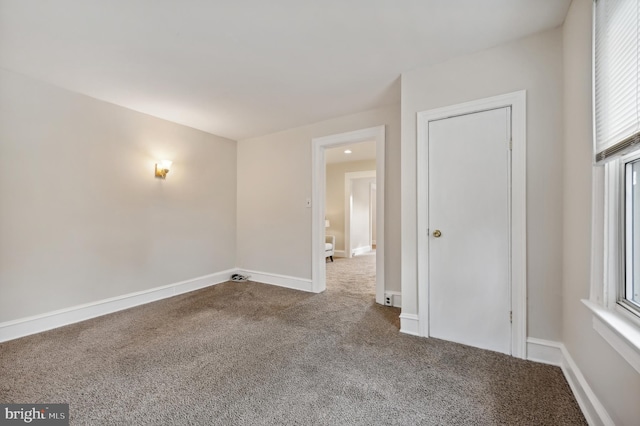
[620, 332]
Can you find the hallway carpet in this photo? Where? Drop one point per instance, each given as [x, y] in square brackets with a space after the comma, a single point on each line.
[254, 354]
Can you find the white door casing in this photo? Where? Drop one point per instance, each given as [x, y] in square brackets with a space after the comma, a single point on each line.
[517, 102]
[372, 214]
[318, 201]
[469, 199]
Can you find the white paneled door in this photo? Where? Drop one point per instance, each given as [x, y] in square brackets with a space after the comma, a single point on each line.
[469, 223]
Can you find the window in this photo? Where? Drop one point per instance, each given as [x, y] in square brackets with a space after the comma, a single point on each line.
[630, 288]
[616, 87]
[616, 143]
[617, 281]
[615, 286]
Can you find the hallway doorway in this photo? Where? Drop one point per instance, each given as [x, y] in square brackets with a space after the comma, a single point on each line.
[320, 149]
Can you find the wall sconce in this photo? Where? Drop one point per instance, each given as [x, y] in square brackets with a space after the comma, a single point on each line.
[162, 168]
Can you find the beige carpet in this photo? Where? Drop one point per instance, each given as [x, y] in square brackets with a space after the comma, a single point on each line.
[253, 354]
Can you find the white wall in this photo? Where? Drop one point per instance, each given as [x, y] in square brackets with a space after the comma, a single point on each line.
[534, 64]
[81, 216]
[335, 195]
[360, 212]
[274, 180]
[615, 383]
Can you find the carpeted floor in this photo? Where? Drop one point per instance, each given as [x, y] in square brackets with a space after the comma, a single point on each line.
[253, 354]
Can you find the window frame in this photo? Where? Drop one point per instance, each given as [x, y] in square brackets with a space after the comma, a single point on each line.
[619, 326]
[626, 274]
[613, 254]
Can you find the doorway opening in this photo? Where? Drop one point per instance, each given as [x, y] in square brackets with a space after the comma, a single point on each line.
[358, 212]
[321, 217]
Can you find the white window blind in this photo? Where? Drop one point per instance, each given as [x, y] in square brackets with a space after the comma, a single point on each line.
[616, 62]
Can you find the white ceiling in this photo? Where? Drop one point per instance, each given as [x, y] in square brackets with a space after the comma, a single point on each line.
[359, 151]
[242, 68]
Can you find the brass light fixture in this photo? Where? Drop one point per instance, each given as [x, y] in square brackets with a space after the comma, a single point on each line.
[162, 168]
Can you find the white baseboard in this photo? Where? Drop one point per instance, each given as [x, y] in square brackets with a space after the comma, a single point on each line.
[396, 298]
[544, 351]
[36, 324]
[339, 253]
[361, 250]
[295, 283]
[555, 353]
[591, 407]
[624, 346]
[397, 301]
[409, 324]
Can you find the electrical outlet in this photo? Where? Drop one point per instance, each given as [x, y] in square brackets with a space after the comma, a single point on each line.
[388, 300]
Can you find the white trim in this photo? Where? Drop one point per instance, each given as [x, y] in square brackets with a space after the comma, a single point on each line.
[372, 196]
[593, 410]
[318, 185]
[286, 281]
[613, 243]
[597, 234]
[552, 353]
[544, 351]
[410, 324]
[555, 353]
[339, 253]
[621, 333]
[618, 327]
[517, 102]
[348, 193]
[361, 250]
[396, 298]
[36, 324]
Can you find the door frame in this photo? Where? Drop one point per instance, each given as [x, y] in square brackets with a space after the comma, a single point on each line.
[348, 193]
[518, 255]
[372, 191]
[318, 202]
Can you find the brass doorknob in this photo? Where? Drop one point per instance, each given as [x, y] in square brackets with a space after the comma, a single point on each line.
[437, 233]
